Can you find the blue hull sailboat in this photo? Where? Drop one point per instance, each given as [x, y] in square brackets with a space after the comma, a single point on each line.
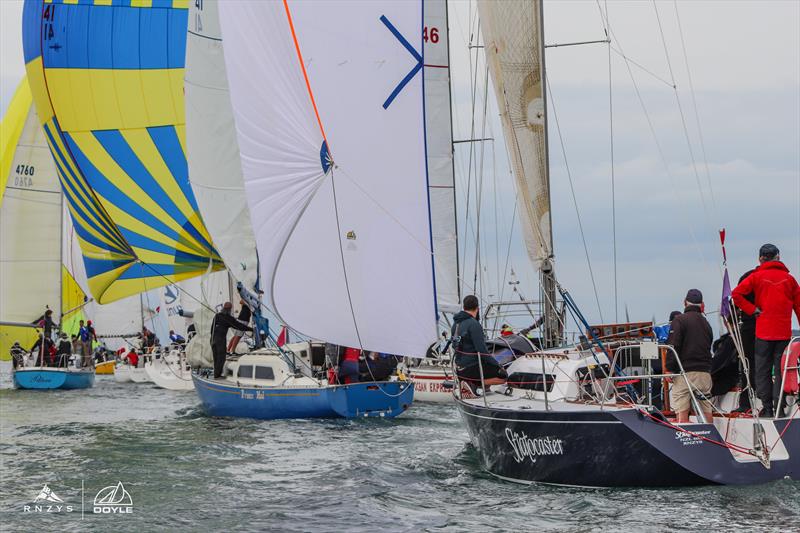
[262, 385]
[338, 241]
[53, 378]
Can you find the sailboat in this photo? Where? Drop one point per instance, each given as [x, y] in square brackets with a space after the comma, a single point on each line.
[32, 276]
[119, 152]
[328, 134]
[569, 415]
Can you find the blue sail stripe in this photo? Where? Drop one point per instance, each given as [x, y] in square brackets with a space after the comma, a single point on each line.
[108, 190]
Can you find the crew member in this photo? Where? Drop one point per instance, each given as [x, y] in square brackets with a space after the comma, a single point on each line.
[470, 348]
[747, 332]
[244, 319]
[64, 350]
[46, 322]
[175, 338]
[776, 294]
[222, 322]
[691, 336]
[348, 366]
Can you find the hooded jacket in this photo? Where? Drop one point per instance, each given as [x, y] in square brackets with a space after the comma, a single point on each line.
[776, 293]
[691, 336]
[469, 338]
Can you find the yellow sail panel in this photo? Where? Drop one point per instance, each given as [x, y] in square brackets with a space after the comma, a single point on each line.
[110, 88]
[10, 130]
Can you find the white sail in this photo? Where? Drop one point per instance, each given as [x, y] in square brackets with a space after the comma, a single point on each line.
[30, 219]
[212, 152]
[344, 247]
[512, 37]
[439, 137]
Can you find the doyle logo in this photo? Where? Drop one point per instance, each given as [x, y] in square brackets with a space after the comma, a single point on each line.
[47, 501]
[526, 447]
[113, 500]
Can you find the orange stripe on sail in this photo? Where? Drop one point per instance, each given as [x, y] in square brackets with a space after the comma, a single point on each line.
[305, 74]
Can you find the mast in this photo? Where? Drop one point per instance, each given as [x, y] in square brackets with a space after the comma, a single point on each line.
[513, 34]
[552, 330]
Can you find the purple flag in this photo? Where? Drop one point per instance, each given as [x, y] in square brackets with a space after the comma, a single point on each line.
[725, 306]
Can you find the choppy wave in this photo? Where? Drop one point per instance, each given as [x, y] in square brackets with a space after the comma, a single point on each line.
[184, 470]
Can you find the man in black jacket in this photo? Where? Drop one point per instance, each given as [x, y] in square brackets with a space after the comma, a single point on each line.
[691, 336]
[470, 347]
[747, 330]
[219, 336]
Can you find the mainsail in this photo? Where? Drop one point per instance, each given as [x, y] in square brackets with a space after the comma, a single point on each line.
[328, 106]
[215, 171]
[30, 224]
[439, 139]
[107, 81]
[512, 35]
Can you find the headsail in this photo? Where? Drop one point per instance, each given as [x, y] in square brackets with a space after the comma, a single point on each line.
[439, 137]
[512, 35]
[328, 105]
[30, 224]
[215, 171]
[107, 81]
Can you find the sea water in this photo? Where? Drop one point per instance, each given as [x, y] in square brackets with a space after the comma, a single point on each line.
[182, 470]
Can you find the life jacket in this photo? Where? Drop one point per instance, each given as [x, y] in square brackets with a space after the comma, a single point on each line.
[791, 359]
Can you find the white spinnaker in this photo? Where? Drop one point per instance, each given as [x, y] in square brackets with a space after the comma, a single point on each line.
[378, 226]
[30, 230]
[512, 37]
[441, 177]
[212, 151]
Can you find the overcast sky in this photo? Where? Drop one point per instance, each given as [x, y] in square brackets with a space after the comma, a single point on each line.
[744, 59]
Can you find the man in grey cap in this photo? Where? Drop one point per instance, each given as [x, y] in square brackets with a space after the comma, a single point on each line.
[691, 336]
[774, 295]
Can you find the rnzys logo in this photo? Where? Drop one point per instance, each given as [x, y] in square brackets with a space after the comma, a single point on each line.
[113, 499]
[47, 501]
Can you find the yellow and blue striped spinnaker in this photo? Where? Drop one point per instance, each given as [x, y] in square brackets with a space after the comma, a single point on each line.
[107, 82]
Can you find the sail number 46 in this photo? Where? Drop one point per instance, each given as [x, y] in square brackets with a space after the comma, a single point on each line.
[432, 34]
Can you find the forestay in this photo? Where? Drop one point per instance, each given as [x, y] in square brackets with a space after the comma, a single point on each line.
[107, 81]
[512, 36]
[439, 136]
[215, 170]
[328, 104]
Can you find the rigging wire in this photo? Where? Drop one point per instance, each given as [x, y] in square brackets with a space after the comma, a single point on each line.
[683, 119]
[659, 149]
[613, 176]
[574, 197]
[694, 106]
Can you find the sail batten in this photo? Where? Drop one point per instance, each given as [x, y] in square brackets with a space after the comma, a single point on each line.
[107, 79]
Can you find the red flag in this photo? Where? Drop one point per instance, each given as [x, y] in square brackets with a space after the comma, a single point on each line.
[283, 337]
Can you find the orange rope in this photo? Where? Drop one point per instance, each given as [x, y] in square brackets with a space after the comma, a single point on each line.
[305, 74]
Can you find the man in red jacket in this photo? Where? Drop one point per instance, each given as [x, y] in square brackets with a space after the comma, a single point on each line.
[776, 294]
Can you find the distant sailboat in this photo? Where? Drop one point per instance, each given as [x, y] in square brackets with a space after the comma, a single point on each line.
[31, 265]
